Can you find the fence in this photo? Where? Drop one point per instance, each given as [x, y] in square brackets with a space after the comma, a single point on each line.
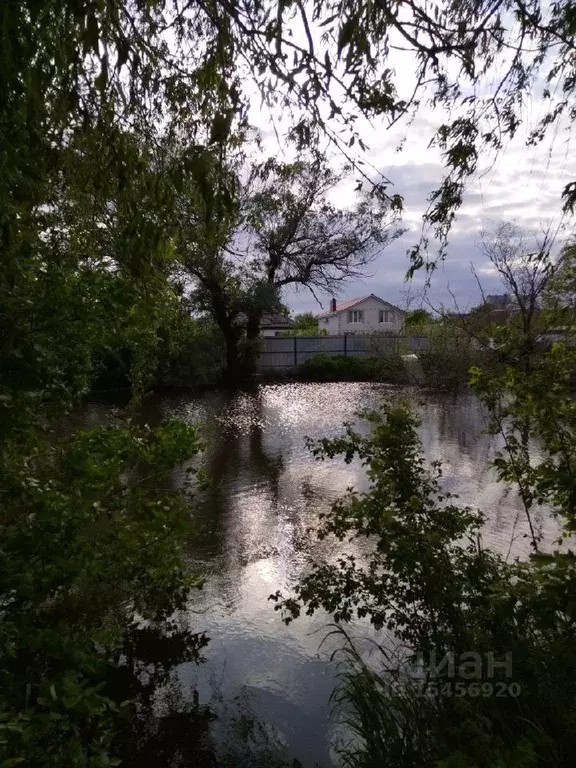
[290, 352]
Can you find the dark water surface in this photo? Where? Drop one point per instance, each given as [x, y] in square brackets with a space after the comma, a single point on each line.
[253, 539]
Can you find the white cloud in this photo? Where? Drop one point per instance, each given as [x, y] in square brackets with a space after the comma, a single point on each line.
[521, 183]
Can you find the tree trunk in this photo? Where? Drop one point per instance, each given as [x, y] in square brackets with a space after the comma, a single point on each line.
[251, 350]
[232, 359]
[230, 331]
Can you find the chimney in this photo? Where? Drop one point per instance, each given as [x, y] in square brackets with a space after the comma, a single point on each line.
[333, 305]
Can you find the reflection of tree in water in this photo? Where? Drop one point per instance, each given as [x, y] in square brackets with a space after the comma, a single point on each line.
[174, 734]
[241, 471]
[175, 731]
[453, 431]
[144, 670]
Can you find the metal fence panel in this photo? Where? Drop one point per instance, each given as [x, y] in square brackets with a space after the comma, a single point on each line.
[291, 351]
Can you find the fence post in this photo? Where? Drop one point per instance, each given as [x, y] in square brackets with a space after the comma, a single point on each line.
[295, 351]
[345, 344]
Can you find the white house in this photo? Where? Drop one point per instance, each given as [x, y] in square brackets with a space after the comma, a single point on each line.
[366, 314]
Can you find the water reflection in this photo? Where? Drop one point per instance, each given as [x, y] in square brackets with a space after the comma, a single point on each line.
[254, 534]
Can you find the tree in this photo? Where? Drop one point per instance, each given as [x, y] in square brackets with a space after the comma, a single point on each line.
[305, 320]
[333, 59]
[560, 291]
[286, 232]
[449, 605]
[327, 62]
[417, 318]
[305, 324]
[86, 92]
[525, 274]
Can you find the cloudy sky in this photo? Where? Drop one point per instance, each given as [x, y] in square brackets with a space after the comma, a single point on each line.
[522, 184]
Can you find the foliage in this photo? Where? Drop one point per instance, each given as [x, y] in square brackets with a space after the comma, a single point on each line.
[92, 557]
[93, 543]
[305, 320]
[300, 237]
[284, 231]
[444, 359]
[537, 306]
[525, 274]
[559, 296]
[305, 324]
[417, 319]
[449, 355]
[479, 322]
[333, 57]
[425, 577]
[186, 353]
[326, 367]
[190, 354]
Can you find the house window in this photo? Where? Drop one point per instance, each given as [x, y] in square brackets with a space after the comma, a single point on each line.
[385, 316]
[356, 316]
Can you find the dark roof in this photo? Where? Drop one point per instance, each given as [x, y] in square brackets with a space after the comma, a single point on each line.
[352, 303]
[267, 320]
[276, 321]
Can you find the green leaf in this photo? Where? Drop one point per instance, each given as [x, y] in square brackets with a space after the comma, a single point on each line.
[91, 33]
[220, 128]
[102, 80]
[346, 32]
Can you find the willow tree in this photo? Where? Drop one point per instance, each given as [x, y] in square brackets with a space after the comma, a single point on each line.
[476, 62]
[89, 93]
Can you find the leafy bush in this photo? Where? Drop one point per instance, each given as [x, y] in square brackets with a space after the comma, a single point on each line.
[448, 356]
[426, 578]
[190, 355]
[92, 563]
[447, 368]
[187, 354]
[312, 330]
[325, 367]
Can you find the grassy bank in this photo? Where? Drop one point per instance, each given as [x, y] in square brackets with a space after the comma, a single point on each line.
[324, 367]
[436, 369]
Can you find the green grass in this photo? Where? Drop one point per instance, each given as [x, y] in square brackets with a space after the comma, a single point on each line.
[325, 367]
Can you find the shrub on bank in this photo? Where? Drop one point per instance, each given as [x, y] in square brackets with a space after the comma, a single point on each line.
[194, 359]
[325, 367]
[448, 367]
[477, 665]
[444, 368]
[447, 356]
[187, 354]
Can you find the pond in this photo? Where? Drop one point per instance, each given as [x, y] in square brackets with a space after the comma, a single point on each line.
[253, 538]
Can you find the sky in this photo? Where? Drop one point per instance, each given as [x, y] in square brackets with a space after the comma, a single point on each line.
[522, 184]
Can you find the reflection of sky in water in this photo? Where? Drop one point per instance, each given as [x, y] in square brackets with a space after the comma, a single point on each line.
[253, 533]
